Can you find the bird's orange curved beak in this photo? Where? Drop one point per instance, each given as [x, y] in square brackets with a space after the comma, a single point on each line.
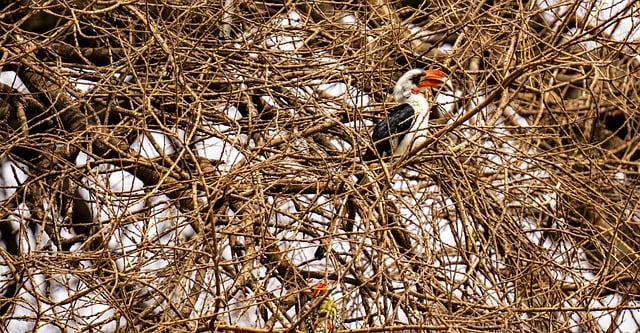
[435, 78]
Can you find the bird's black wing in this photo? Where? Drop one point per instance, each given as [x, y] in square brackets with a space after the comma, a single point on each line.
[391, 130]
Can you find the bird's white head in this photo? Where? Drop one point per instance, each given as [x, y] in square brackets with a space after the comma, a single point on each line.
[416, 81]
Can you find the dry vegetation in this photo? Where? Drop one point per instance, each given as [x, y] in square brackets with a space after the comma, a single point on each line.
[519, 214]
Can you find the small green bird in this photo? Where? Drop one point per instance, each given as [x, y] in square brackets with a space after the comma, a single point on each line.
[324, 318]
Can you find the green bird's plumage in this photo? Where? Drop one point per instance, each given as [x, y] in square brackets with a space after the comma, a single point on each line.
[324, 318]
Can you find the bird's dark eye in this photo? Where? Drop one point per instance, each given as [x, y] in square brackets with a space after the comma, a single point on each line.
[415, 79]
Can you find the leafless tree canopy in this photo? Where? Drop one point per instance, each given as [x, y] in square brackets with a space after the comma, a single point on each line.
[191, 166]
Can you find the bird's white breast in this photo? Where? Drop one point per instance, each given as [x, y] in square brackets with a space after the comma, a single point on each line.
[418, 131]
[415, 136]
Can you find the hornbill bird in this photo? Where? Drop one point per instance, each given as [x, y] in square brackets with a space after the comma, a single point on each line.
[405, 125]
[408, 121]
